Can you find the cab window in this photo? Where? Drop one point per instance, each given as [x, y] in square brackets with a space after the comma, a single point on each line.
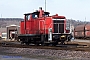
[27, 17]
[35, 16]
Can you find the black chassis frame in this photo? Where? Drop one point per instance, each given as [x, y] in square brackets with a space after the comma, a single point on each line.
[42, 38]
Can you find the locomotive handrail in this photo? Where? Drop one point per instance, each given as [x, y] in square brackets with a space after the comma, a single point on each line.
[43, 25]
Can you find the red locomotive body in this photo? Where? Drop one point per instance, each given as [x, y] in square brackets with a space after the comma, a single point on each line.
[40, 28]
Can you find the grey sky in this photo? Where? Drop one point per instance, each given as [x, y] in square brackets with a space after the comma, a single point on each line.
[72, 9]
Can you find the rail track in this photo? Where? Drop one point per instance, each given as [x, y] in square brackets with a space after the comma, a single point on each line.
[68, 46]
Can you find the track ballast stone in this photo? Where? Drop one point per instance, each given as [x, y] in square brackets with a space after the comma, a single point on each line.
[62, 54]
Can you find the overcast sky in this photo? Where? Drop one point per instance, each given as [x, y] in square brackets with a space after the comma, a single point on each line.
[72, 9]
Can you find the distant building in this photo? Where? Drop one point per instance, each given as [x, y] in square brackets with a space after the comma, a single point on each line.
[4, 36]
[12, 31]
[2, 30]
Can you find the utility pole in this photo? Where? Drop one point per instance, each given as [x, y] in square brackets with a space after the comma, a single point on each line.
[85, 20]
[1, 15]
[45, 5]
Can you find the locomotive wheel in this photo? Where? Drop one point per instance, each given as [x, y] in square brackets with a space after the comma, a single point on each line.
[43, 44]
[37, 44]
[27, 43]
[62, 42]
[22, 43]
[42, 40]
[55, 43]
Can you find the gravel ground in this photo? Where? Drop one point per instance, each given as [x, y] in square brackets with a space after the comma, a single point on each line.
[5, 57]
[52, 54]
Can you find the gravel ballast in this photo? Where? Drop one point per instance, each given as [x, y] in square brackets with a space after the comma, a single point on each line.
[60, 54]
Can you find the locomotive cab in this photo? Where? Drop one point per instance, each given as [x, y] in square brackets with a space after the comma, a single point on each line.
[37, 14]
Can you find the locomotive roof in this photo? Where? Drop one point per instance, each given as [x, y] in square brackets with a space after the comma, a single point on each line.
[37, 13]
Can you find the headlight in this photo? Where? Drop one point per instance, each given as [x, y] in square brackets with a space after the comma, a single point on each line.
[62, 36]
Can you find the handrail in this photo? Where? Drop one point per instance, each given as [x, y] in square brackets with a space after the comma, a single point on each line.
[43, 25]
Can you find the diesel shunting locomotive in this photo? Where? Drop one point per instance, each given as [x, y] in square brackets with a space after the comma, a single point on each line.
[40, 28]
